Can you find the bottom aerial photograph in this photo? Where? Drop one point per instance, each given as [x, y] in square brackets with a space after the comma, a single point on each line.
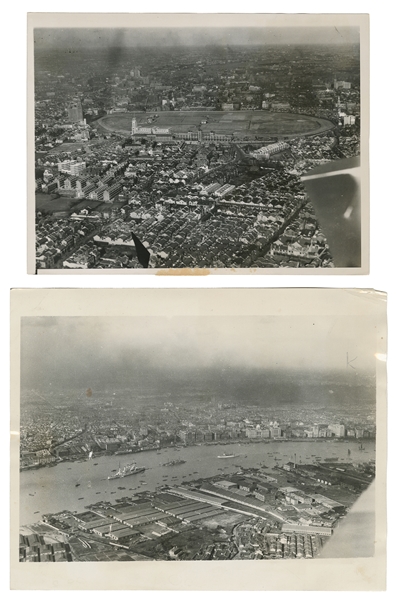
[197, 425]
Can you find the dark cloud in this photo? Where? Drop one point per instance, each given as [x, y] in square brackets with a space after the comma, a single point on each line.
[191, 36]
[97, 350]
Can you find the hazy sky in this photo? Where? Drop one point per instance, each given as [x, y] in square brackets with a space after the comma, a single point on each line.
[73, 38]
[93, 350]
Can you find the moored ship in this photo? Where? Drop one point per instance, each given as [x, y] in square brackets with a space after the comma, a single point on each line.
[126, 471]
[227, 455]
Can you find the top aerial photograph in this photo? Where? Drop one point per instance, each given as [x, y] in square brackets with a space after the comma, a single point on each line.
[184, 145]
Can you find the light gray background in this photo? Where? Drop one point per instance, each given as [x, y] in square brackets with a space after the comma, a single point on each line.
[382, 137]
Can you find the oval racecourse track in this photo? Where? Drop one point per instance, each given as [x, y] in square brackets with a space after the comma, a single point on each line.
[242, 124]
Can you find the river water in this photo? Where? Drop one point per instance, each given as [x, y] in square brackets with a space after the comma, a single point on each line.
[51, 490]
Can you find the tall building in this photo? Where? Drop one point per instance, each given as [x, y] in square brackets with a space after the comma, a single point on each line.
[134, 126]
[275, 431]
[77, 167]
[349, 120]
[135, 72]
[74, 111]
[73, 167]
[338, 429]
[343, 85]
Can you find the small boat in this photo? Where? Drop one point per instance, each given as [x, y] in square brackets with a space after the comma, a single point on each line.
[81, 498]
[95, 464]
[37, 511]
[78, 484]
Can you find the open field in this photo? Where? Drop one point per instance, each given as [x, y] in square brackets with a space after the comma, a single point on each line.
[66, 147]
[53, 203]
[227, 520]
[242, 124]
[50, 203]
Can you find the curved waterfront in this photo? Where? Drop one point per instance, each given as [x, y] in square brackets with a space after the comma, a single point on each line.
[72, 486]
